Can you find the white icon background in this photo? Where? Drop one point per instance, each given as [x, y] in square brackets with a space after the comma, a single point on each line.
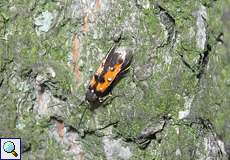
[5, 155]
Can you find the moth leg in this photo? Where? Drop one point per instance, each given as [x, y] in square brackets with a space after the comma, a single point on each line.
[125, 70]
[103, 99]
[110, 98]
[110, 94]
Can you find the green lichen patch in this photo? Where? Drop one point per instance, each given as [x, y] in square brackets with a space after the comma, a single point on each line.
[41, 145]
[92, 141]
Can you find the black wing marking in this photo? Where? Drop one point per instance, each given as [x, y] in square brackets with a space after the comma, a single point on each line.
[111, 58]
[127, 62]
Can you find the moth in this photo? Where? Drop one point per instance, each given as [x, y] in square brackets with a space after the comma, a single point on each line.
[112, 69]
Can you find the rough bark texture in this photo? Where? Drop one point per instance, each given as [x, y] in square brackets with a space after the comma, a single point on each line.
[173, 104]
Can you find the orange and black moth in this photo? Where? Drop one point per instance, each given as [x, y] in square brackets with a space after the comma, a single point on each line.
[112, 68]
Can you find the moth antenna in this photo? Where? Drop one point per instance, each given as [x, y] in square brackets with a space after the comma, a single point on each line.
[82, 116]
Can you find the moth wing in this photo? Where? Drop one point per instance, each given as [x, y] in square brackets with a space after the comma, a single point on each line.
[127, 61]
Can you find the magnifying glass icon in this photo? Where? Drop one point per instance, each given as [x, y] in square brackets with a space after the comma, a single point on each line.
[9, 147]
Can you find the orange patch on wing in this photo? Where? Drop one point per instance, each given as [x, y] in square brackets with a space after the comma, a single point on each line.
[100, 69]
[101, 87]
[92, 82]
[98, 72]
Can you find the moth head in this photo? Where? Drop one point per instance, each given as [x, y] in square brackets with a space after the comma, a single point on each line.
[91, 95]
